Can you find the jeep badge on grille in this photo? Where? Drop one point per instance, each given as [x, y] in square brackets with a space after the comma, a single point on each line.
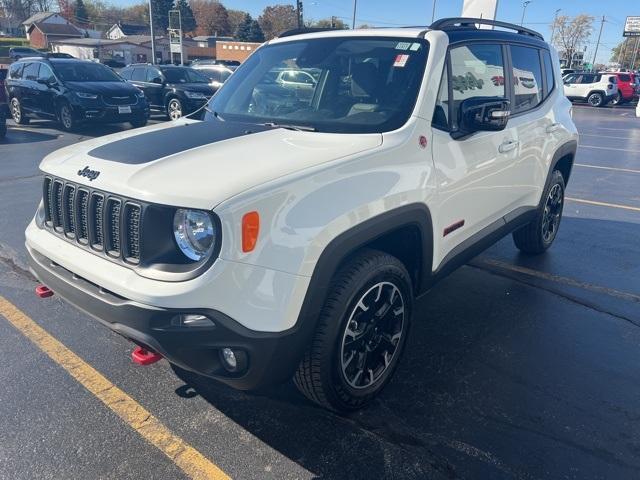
[90, 174]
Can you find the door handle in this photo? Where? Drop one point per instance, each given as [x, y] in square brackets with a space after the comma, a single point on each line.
[553, 127]
[508, 146]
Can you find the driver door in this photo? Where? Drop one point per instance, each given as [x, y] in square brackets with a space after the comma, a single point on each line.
[475, 187]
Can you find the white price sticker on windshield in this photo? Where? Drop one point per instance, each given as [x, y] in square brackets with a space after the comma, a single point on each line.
[403, 46]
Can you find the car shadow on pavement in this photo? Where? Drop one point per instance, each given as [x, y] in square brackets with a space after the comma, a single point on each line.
[16, 136]
[501, 378]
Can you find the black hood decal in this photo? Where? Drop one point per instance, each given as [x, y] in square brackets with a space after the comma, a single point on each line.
[150, 146]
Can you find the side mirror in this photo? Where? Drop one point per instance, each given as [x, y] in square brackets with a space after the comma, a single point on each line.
[482, 114]
[157, 80]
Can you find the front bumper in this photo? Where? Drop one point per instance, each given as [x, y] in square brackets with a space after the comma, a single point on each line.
[109, 114]
[270, 358]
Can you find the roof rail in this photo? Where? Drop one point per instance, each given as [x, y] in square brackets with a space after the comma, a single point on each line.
[466, 22]
[299, 31]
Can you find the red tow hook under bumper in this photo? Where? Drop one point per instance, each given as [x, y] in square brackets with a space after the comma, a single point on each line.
[43, 291]
[142, 356]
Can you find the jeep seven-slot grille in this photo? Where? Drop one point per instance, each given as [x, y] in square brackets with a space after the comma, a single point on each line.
[94, 219]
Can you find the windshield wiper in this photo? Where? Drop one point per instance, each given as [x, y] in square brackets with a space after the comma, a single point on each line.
[298, 128]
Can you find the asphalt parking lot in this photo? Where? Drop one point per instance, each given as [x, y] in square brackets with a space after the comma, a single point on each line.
[517, 367]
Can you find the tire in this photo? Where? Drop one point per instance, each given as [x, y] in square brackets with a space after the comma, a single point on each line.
[536, 237]
[3, 126]
[346, 333]
[65, 117]
[596, 99]
[174, 109]
[617, 99]
[139, 122]
[17, 113]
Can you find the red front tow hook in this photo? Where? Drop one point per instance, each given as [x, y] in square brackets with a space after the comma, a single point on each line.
[142, 356]
[43, 291]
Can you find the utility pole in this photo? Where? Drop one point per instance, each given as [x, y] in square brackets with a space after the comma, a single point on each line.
[333, 21]
[622, 52]
[355, 8]
[299, 12]
[553, 25]
[635, 54]
[433, 11]
[524, 9]
[593, 64]
[153, 40]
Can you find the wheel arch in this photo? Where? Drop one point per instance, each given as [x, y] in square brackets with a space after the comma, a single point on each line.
[562, 160]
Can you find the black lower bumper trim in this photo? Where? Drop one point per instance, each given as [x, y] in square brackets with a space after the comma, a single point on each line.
[271, 357]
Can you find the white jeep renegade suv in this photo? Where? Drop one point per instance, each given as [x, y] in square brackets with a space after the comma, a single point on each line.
[288, 233]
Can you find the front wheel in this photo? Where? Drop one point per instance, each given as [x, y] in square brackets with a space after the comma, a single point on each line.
[65, 117]
[361, 332]
[537, 236]
[174, 109]
[139, 122]
[3, 126]
[596, 100]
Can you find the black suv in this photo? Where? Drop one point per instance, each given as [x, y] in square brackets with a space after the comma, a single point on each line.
[72, 91]
[3, 103]
[176, 91]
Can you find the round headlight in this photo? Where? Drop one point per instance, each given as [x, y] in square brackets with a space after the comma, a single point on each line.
[194, 232]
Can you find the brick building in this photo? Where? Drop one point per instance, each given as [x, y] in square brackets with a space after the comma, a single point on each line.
[239, 51]
[42, 34]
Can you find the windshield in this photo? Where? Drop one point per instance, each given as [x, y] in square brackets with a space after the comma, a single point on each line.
[216, 75]
[84, 72]
[338, 84]
[183, 75]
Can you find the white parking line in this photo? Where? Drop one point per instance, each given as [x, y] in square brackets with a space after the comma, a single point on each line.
[610, 148]
[626, 170]
[607, 136]
[621, 129]
[603, 204]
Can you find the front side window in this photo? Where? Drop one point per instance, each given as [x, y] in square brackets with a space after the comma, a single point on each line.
[527, 78]
[84, 72]
[126, 73]
[441, 110]
[476, 71]
[152, 74]
[45, 73]
[139, 74]
[338, 84]
[31, 71]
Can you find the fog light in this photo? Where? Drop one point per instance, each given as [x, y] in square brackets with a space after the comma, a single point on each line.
[191, 320]
[229, 359]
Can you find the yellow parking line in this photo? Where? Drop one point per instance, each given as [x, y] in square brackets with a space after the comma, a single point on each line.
[603, 204]
[615, 169]
[193, 463]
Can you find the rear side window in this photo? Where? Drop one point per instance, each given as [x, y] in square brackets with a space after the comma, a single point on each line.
[548, 73]
[613, 80]
[139, 74]
[623, 77]
[15, 71]
[31, 71]
[527, 78]
[126, 73]
[476, 71]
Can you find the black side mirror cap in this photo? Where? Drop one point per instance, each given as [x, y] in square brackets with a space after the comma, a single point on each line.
[482, 114]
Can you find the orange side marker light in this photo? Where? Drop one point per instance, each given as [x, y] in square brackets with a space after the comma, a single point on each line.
[250, 231]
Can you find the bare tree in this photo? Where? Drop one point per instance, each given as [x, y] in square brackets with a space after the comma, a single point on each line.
[571, 33]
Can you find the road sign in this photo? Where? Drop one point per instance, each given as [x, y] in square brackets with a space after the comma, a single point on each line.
[632, 27]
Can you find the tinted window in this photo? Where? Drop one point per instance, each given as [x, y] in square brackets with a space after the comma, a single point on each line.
[153, 73]
[441, 111]
[139, 74]
[623, 77]
[527, 78]
[77, 71]
[15, 70]
[183, 75]
[612, 79]
[45, 72]
[356, 84]
[126, 73]
[476, 71]
[548, 72]
[3, 74]
[31, 71]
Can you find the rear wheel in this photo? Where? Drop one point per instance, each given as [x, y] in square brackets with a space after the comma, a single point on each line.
[16, 112]
[3, 126]
[537, 236]
[361, 333]
[617, 99]
[596, 99]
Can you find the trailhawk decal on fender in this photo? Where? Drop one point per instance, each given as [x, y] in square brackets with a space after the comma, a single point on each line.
[150, 146]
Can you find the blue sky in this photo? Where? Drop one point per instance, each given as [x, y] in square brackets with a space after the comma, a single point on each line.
[539, 13]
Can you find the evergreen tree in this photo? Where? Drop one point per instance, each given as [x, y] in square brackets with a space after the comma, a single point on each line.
[256, 33]
[243, 33]
[80, 13]
[160, 9]
[186, 15]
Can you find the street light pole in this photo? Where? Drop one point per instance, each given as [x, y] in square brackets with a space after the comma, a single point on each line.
[153, 48]
[433, 12]
[524, 9]
[355, 8]
[553, 25]
[593, 64]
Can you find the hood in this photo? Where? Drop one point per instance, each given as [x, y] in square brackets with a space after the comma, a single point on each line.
[193, 87]
[197, 164]
[103, 88]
